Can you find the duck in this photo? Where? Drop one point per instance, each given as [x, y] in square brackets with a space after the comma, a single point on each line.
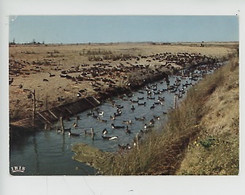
[127, 130]
[152, 121]
[109, 137]
[141, 92]
[116, 127]
[132, 108]
[129, 122]
[151, 98]
[157, 103]
[73, 134]
[149, 93]
[161, 99]
[157, 92]
[139, 118]
[58, 130]
[152, 107]
[75, 125]
[79, 94]
[101, 113]
[142, 104]
[90, 113]
[101, 120]
[151, 125]
[140, 98]
[134, 101]
[104, 131]
[119, 106]
[156, 117]
[112, 117]
[117, 114]
[94, 115]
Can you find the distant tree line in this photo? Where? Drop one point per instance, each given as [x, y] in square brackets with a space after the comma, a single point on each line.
[28, 43]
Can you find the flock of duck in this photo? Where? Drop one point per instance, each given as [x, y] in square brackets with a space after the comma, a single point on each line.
[147, 105]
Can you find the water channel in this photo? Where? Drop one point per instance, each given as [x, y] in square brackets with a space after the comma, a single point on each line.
[49, 152]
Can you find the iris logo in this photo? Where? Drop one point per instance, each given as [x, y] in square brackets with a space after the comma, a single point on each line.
[18, 169]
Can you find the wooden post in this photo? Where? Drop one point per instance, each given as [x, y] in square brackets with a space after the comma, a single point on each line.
[175, 101]
[76, 120]
[92, 133]
[137, 140]
[62, 125]
[33, 107]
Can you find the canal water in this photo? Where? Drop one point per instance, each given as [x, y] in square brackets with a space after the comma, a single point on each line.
[49, 152]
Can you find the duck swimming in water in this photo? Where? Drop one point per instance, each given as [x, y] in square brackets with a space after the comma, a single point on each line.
[127, 130]
[156, 117]
[58, 130]
[105, 131]
[151, 98]
[129, 122]
[141, 104]
[116, 127]
[75, 125]
[112, 117]
[101, 120]
[109, 137]
[101, 113]
[140, 118]
[73, 134]
[134, 101]
[117, 114]
[132, 108]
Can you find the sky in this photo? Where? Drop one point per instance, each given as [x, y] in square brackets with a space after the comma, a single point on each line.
[104, 29]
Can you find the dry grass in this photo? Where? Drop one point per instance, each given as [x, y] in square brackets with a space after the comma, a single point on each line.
[216, 149]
